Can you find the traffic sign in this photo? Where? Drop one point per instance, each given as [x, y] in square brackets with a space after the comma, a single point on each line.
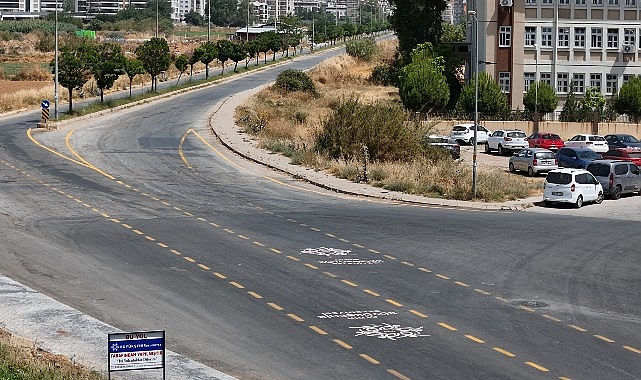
[44, 104]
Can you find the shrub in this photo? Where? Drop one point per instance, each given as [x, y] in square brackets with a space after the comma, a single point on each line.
[362, 49]
[383, 75]
[295, 80]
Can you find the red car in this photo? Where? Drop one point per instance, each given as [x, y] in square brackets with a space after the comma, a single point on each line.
[628, 154]
[546, 140]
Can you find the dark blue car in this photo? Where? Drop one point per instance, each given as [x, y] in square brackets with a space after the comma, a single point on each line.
[620, 140]
[578, 158]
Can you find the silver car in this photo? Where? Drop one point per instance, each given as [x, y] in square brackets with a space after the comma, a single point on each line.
[617, 177]
[533, 161]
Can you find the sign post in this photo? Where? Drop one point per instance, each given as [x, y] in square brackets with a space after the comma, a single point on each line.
[136, 350]
[45, 111]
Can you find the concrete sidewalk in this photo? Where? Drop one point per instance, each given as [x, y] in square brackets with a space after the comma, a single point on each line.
[223, 125]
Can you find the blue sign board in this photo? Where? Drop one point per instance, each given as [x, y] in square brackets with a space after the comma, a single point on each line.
[136, 350]
[44, 104]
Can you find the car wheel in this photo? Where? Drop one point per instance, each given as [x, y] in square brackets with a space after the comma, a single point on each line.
[599, 198]
[547, 203]
[579, 201]
[617, 193]
[511, 166]
[500, 150]
[531, 171]
[487, 148]
[471, 141]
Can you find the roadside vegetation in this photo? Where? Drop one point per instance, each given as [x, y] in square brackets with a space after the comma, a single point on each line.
[338, 121]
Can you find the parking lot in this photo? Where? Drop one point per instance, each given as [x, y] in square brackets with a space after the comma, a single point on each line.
[626, 208]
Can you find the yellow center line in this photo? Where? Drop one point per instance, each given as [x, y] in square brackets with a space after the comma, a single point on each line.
[371, 293]
[139, 232]
[632, 349]
[311, 266]
[551, 318]
[397, 374]
[166, 203]
[104, 215]
[603, 338]
[425, 270]
[418, 313]
[461, 284]
[407, 263]
[394, 302]
[349, 283]
[275, 306]
[255, 295]
[358, 245]
[114, 220]
[188, 213]
[446, 326]
[295, 317]
[220, 275]
[201, 219]
[292, 258]
[259, 244]
[540, 368]
[369, 358]
[373, 251]
[203, 266]
[318, 330]
[237, 285]
[506, 353]
[217, 151]
[175, 252]
[472, 337]
[126, 225]
[577, 328]
[444, 277]
[149, 238]
[162, 245]
[342, 344]
[177, 208]
[189, 259]
[390, 257]
[330, 274]
[275, 250]
[154, 198]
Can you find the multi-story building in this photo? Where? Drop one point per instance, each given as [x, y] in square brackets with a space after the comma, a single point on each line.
[455, 11]
[583, 43]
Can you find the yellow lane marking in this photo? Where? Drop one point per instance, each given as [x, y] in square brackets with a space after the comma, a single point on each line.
[243, 237]
[149, 238]
[373, 251]
[397, 374]
[139, 232]
[162, 245]
[344, 240]
[603, 338]
[303, 225]
[358, 245]
[540, 368]
[551, 318]
[188, 213]
[318, 330]
[501, 299]
[213, 224]
[564, 378]
[349, 283]
[394, 302]
[155, 198]
[526, 308]
[275, 306]
[255, 295]
[446, 326]
[444, 277]
[202, 219]
[259, 244]
[216, 150]
[220, 275]
[506, 353]
[175, 252]
[371, 293]
[115, 220]
[295, 317]
[418, 313]
[95, 209]
[234, 283]
[275, 250]
[311, 266]
[330, 235]
[203, 266]
[472, 337]
[180, 149]
[632, 349]
[104, 215]
[425, 270]
[342, 344]
[315, 229]
[189, 259]
[166, 203]
[390, 257]
[577, 328]
[86, 205]
[290, 220]
[177, 208]
[407, 263]
[461, 284]
[228, 230]
[369, 358]
[292, 258]
[126, 225]
[330, 274]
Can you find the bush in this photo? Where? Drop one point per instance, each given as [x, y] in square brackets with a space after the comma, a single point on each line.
[383, 75]
[361, 49]
[295, 80]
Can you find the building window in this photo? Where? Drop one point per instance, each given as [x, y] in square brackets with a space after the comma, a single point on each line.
[578, 81]
[530, 36]
[504, 82]
[564, 37]
[546, 2]
[613, 38]
[530, 2]
[546, 36]
[613, 2]
[562, 82]
[530, 78]
[597, 2]
[630, 3]
[564, 2]
[595, 81]
[596, 35]
[546, 78]
[580, 2]
[626, 78]
[611, 84]
[505, 36]
[629, 36]
[579, 37]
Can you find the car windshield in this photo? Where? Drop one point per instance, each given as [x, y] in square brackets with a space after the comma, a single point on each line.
[596, 138]
[629, 139]
[516, 134]
[634, 154]
[545, 155]
[550, 136]
[559, 178]
[459, 128]
[599, 170]
[589, 154]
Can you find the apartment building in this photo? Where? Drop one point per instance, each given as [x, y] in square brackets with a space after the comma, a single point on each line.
[587, 43]
[454, 12]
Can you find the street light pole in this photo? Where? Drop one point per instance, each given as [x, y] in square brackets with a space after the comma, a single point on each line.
[55, 87]
[247, 34]
[475, 62]
[536, 88]
[208, 19]
[157, 1]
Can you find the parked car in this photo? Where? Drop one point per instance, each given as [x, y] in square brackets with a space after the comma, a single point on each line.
[595, 142]
[574, 186]
[577, 158]
[626, 154]
[621, 140]
[533, 161]
[545, 140]
[506, 140]
[464, 133]
[446, 143]
[616, 177]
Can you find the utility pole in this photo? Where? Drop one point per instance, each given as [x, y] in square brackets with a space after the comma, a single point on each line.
[55, 88]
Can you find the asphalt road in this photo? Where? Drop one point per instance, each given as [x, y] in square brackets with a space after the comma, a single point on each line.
[144, 221]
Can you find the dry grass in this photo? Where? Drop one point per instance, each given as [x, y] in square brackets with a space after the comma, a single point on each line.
[289, 124]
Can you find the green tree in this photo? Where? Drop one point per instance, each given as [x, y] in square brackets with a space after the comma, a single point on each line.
[453, 32]
[251, 50]
[491, 101]
[238, 53]
[422, 85]
[224, 12]
[272, 41]
[181, 63]
[544, 98]
[416, 21]
[206, 53]
[155, 57]
[628, 101]
[224, 48]
[73, 70]
[194, 18]
[194, 58]
[106, 64]
[571, 111]
[593, 101]
[263, 44]
[132, 67]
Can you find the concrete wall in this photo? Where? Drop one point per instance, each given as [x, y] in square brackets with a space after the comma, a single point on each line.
[564, 129]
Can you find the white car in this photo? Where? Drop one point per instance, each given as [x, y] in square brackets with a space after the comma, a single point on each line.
[506, 140]
[464, 133]
[574, 186]
[595, 142]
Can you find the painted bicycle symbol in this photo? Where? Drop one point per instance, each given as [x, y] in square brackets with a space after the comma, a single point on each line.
[324, 251]
[389, 331]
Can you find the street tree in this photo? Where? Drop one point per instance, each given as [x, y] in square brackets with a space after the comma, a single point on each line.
[73, 70]
[543, 99]
[106, 64]
[224, 48]
[251, 50]
[194, 58]
[491, 101]
[238, 53]
[132, 67]
[416, 22]
[206, 53]
[155, 57]
[422, 85]
[628, 101]
[181, 63]
[194, 18]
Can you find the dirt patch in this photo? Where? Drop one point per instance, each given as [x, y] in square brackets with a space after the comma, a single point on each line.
[10, 87]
